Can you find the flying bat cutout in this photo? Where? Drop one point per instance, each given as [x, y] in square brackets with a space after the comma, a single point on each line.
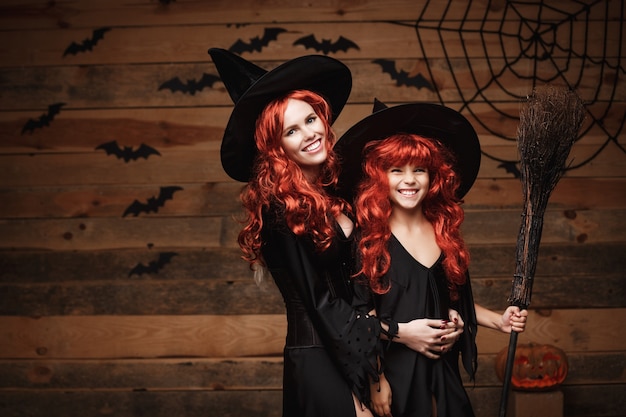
[127, 153]
[341, 45]
[511, 168]
[153, 204]
[191, 86]
[256, 43]
[44, 119]
[153, 267]
[87, 44]
[402, 77]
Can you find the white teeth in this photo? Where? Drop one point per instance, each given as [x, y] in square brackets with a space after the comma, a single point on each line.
[314, 146]
[407, 192]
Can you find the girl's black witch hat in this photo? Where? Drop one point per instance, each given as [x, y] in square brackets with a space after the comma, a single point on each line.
[433, 121]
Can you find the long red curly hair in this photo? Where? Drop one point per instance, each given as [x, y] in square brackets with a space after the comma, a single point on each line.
[441, 207]
[308, 208]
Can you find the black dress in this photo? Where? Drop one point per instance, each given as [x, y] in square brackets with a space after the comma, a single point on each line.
[331, 348]
[420, 292]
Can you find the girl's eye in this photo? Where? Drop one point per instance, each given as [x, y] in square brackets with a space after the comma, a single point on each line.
[290, 132]
[310, 120]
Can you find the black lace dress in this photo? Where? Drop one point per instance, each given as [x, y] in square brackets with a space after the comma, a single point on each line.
[331, 348]
[417, 292]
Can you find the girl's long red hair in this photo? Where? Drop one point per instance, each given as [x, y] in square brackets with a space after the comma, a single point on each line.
[278, 179]
[440, 206]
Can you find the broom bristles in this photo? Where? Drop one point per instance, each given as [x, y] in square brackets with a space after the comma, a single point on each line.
[548, 128]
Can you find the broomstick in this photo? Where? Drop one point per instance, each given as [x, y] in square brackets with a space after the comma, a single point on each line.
[548, 127]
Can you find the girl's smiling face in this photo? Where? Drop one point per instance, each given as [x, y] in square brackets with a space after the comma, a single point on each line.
[408, 186]
[304, 137]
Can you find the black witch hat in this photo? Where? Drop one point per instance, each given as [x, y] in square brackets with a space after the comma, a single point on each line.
[251, 88]
[432, 121]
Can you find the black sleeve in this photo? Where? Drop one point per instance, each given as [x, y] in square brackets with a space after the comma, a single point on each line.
[465, 307]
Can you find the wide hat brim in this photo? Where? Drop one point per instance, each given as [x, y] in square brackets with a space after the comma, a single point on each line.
[429, 120]
[323, 75]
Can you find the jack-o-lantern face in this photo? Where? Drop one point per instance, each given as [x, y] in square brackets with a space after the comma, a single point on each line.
[535, 367]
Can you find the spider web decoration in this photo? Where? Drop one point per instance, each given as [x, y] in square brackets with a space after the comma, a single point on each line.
[509, 47]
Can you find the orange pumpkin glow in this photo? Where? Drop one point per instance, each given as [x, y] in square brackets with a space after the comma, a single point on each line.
[535, 367]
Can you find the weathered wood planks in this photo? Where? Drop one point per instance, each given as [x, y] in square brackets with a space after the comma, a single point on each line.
[147, 336]
[156, 314]
[43, 15]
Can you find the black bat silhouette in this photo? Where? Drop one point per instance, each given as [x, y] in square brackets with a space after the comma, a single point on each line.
[511, 168]
[127, 153]
[87, 44]
[44, 119]
[402, 77]
[153, 203]
[256, 43]
[325, 46]
[153, 267]
[175, 84]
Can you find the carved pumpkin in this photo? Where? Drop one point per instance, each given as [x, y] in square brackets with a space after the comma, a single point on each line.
[535, 368]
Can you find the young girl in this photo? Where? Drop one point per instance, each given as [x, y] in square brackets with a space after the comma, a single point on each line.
[411, 250]
[279, 141]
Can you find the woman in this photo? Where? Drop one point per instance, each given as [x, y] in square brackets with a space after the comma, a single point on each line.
[279, 141]
[411, 250]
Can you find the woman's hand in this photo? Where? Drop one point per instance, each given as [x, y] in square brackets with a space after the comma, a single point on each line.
[430, 337]
[381, 397]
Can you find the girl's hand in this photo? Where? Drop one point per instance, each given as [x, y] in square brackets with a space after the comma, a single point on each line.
[456, 324]
[514, 319]
[455, 318]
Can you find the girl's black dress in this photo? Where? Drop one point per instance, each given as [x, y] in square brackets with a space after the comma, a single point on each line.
[421, 292]
[331, 348]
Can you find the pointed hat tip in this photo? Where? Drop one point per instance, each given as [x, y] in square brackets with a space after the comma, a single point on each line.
[236, 73]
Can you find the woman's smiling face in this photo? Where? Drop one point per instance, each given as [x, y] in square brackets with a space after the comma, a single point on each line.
[304, 137]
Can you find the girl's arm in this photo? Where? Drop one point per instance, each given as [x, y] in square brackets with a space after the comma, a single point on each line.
[512, 318]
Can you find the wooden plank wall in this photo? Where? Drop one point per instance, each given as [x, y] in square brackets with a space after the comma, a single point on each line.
[112, 309]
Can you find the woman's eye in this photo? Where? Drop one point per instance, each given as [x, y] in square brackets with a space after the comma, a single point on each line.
[310, 120]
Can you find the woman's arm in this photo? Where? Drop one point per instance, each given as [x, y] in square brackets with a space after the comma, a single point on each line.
[380, 392]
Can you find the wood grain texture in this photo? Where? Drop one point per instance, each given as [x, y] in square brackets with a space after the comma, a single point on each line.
[204, 166]
[88, 337]
[44, 15]
[149, 44]
[193, 296]
[235, 374]
[162, 230]
[599, 401]
[222, 198]
[102, 86]
[588, 260]
[157, 314]
[217, 281]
